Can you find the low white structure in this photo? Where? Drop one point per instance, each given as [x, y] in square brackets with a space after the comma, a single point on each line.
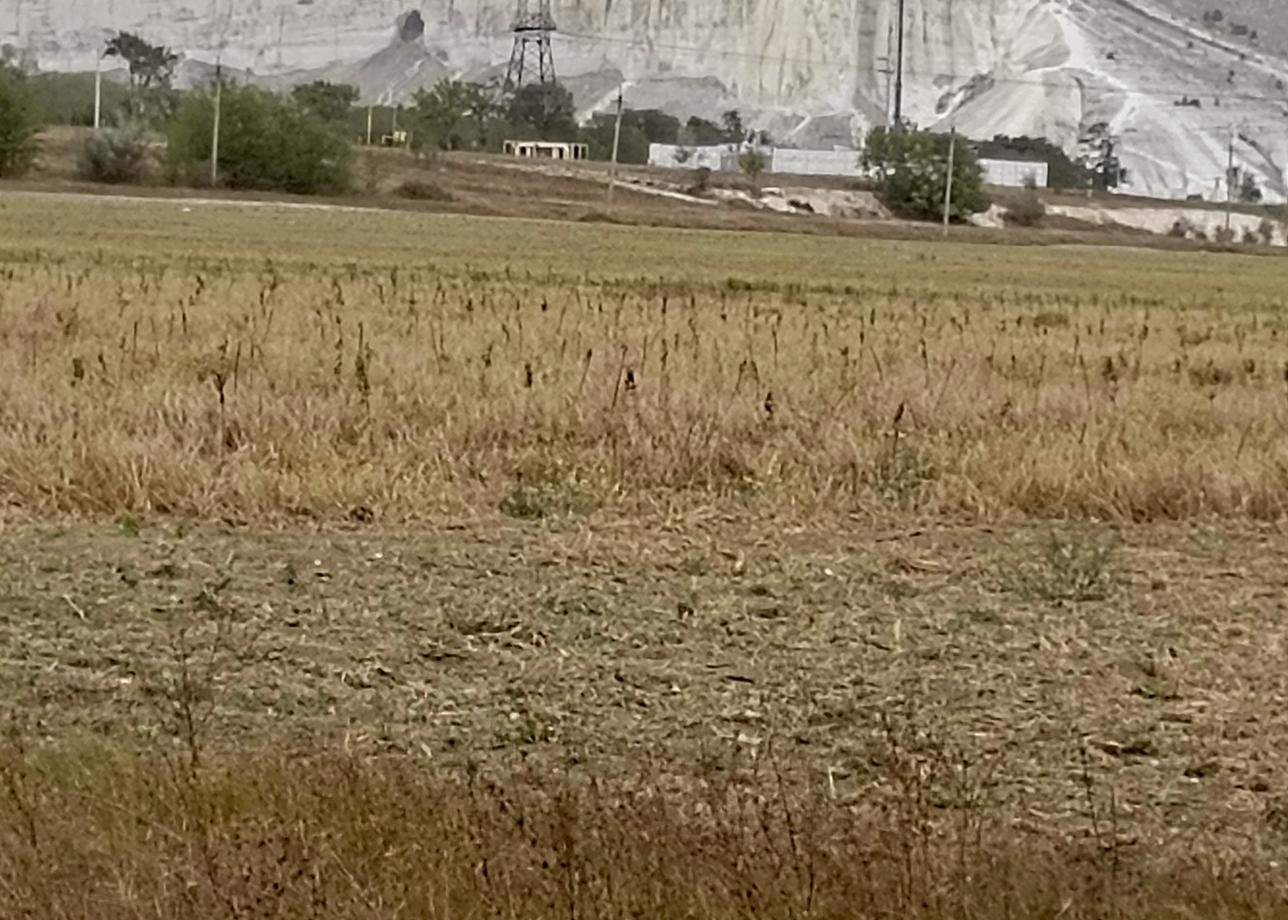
[547, 150]
[724, 158]
[718, 158]
[1014, 173]
[839, 161]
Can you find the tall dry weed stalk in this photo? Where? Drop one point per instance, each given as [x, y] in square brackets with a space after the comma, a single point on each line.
[109, 834]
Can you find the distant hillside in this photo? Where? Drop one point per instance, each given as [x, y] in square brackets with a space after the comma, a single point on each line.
[1170, 78]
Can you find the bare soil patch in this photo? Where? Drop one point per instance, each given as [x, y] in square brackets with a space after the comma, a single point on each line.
[1159, 660]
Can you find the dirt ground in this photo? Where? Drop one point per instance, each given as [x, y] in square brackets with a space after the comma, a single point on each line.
[1148, 662]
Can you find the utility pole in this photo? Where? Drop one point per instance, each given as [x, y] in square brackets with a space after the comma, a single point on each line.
[98, 91]
[1229, 183]
[948, 191]
[617, 140]
[214, 137]
[370, 115]
[219, 97]
[98, 84]
[898, 74]
[887, 71]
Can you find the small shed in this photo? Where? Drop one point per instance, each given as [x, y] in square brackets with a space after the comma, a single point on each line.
[547, 150]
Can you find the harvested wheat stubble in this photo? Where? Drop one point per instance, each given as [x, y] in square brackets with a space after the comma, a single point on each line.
[197, 715]
[611, 637]
[244, 364]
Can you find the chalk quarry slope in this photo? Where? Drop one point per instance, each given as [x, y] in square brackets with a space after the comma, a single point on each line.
[811, 71]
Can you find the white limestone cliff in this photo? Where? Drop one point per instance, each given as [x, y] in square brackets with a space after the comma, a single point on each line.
[811, 70]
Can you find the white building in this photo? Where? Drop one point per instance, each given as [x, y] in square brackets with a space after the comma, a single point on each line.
[839, 161]
[547, 150]
[718, 158]
[1014, 173]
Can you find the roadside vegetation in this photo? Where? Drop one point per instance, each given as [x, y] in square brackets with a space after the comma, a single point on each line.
[1026, 208]
[111, 835]
[19, 123]
[115, 156]
[267, 141]
[913, 170]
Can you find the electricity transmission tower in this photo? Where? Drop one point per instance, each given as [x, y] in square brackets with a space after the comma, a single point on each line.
[533, 26]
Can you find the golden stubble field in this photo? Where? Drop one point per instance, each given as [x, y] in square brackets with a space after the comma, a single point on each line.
[372, 565]
[245, 363]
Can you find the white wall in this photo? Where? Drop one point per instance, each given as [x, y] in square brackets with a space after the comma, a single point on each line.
[836, 162]
[839, 162]
[674, 156]
[1013, 173]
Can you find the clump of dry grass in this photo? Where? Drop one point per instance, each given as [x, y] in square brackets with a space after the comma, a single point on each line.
[105, 834]
[1068, 568]
[645, 366]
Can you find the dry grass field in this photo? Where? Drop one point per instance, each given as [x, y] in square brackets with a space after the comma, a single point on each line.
[244, 363]
[378, 565]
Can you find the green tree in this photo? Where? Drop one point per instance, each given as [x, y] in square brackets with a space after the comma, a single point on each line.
[22, 60]
[1246, 189]
[732, 127]
[753, 163]
[18, 123]
[1027, 208]
[451, 116]
[329, 101]
[1100, 157]
[114, 156]
[267, 141]
[150, 65]
[543, 111]
[68, 98]
[911, 168]
[698, 132]
[151, 74]
[384, 120]
[633, 145]
[1062, 171]
[659, 127]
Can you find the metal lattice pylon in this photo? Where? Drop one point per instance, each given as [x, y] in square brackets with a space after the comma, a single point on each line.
[533, 26]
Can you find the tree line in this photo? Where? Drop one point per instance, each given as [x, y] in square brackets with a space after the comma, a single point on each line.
[301, 141]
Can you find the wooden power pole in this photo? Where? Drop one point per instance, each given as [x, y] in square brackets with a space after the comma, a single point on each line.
[214, 135]
[617, 141]
[948, 186]
[98, 91]
[1229, 183]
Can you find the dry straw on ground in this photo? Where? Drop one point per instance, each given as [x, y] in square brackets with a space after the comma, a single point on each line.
[527, 722]
[115, 837]
[248, 363]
